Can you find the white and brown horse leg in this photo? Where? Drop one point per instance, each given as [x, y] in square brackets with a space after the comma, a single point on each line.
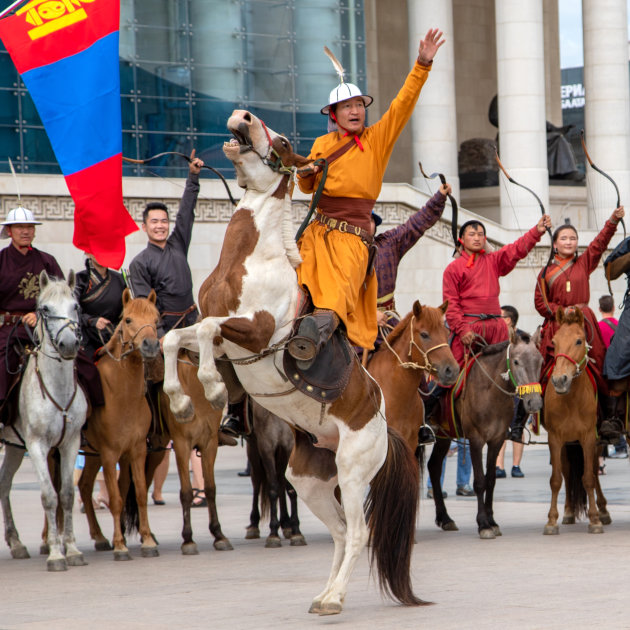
[180, 402]
[589, 447]
[214, 389]
[313, 473]
[555, 448]
[86, 487]
[12, 459]
[56, 560]
[68, 454]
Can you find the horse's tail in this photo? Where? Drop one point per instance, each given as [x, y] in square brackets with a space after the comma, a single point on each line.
[391, 508]
[420, 457]
[576, 495]
[130, 516]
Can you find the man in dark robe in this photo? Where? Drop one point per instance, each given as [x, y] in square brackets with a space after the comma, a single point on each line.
[21, 265]
[99, 292]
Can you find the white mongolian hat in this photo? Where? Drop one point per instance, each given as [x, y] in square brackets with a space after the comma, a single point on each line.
[16, 216]
[344, 90]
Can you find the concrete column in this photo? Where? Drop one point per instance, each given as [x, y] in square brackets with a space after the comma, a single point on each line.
[607, 104]
[434, 122]
[521, 92]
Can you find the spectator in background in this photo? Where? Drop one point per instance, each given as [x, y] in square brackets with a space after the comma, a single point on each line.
[608, 323]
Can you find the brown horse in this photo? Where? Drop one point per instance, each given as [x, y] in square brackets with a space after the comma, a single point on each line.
[570, 414]
[269, 446]
[485, 409]
[118, 430]
[200, 433]
[403, 358]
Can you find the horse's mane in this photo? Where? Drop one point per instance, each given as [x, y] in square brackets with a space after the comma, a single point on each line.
[571, 316]
[54, 290]
[495, 348]
[399, 329]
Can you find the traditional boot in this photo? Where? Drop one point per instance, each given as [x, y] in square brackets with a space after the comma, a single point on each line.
[612, 426]
[233, 422]
[314, 332]
[516, 430]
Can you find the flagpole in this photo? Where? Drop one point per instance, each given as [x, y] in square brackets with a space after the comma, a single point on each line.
[8, 9]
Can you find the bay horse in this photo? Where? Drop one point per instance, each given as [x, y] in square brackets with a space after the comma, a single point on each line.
[269, 446]
[118, 430]
[485, 409]
[403, 358]
[51, 411]
[249, 303]
[570, 414]
[200, 433]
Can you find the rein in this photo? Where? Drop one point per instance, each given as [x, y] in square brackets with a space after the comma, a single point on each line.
[428, 366]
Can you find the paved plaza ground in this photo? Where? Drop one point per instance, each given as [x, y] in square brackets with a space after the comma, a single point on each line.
[520, 580]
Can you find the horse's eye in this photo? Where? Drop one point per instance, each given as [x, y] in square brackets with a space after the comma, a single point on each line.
[578, 342]
[127, 320]
[424, 334]
[516, 362]
[45, 309]
[285, 143]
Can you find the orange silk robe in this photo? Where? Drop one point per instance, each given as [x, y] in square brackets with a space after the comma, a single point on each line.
[334, 267]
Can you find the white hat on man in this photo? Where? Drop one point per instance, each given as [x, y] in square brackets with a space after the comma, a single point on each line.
[16, 216]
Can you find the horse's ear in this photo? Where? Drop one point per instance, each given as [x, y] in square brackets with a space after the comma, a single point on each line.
[513, 335]
[560, 315]
[72, 280]
[537, 336]
[417, 309]
[152, 297]
[43, 279]
[579, 315]
[444, 307]
[300, 161]
[126, 297]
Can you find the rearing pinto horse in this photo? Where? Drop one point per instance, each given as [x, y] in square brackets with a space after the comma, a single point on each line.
[570, 414]
[249, 303]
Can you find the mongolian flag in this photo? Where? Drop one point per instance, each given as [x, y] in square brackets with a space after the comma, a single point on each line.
[67, 54]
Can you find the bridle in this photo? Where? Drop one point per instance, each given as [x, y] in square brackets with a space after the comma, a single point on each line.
[130, 342]
[578, 364]
[276, 165]
[521, 390]
[44, 317]
[428, 366]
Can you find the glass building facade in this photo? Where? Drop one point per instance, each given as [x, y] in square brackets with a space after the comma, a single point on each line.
[186, 64]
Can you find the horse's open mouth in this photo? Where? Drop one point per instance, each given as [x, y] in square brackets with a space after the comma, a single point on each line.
[242, 139]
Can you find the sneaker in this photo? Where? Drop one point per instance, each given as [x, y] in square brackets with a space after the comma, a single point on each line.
[517, 472]
[430, 494]
[465, 491]
[501, 473]
[618, 454]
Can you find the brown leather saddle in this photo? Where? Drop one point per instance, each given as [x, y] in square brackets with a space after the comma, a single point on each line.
[326, 379]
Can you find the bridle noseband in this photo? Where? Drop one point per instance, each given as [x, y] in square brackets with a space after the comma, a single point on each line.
[276, 165]
[73, 324]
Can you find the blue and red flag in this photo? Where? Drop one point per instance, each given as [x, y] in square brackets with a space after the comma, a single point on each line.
[67, 54]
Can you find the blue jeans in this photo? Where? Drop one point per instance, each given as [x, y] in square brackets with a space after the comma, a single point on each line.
[464, 464]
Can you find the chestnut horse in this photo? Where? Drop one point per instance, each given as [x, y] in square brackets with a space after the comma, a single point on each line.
[249, 303]
[118, 430]
[570, 414]
[485, 408]
[403, 358]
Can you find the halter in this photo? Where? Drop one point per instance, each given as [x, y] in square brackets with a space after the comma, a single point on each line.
[277, 166]
[521, 390]
[73, 324]
[428, 366]
[130, 343]
[578, 364]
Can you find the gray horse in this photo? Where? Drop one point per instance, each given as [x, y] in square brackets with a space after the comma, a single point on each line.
[51, 412]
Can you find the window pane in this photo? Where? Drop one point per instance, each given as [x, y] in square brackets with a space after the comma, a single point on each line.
[9, 111]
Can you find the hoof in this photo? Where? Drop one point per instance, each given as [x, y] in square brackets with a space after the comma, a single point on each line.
[298, 541]
[190, 549]
[604, 517]
[551, 530]
[496, 530]
[487, 534]
[102, 545]
[76, 560]
[223, 545]
[451, 526]
[333, 608]
[59, 564]
[122, 556]
[287, 532]
[44, 549]
[315, 608]
[252, 533]
[595, 528]
[273, 542]
[149, 552]
[568, 520]
[20, 553]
